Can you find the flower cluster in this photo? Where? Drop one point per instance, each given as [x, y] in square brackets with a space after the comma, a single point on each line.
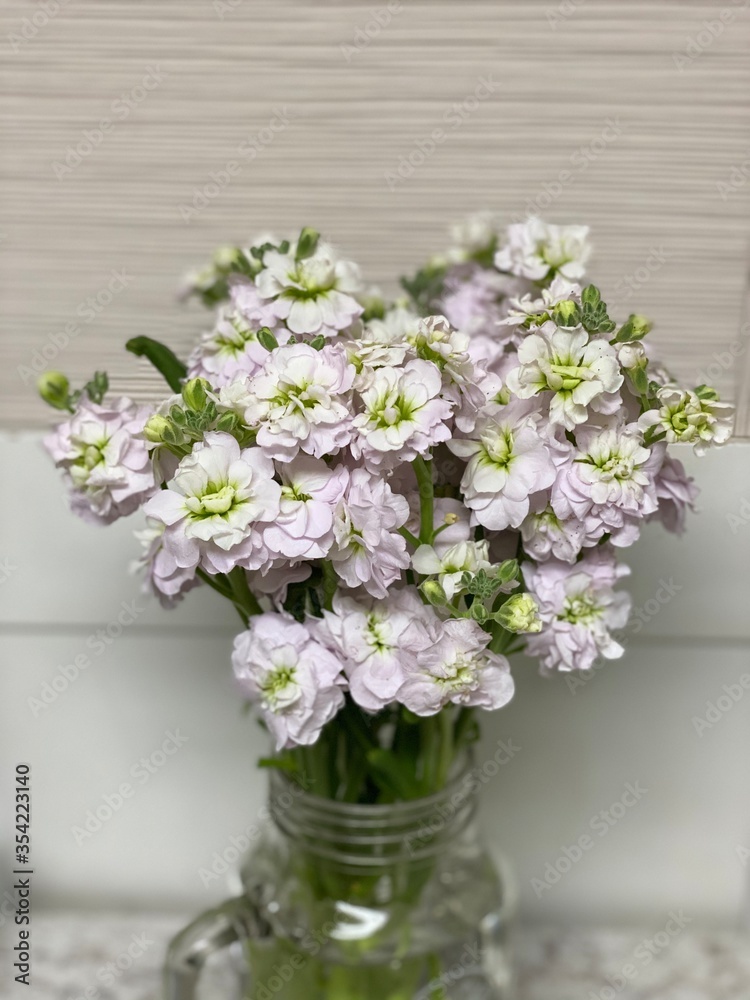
[396, 496]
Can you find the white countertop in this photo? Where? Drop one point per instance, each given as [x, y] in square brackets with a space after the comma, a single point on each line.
[643, 963]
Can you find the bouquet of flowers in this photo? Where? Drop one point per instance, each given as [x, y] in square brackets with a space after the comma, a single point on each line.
[395, 496]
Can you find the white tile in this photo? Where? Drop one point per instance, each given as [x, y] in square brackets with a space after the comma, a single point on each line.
[631, 722]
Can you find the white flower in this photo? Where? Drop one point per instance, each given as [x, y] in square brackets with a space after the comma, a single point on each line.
[473, 235]
[300, 402]
[508, 462]
[369, 552]
[366, 635]
[295, 681]
[403, 415]
[578, 372]
[693, 416]
[451, 564]
[215, 505]
[535, 248]
[105, 459]
[436, 341]
[314, 295]
[448, 662]
[310, 493]
[632, 355]
[229, 351]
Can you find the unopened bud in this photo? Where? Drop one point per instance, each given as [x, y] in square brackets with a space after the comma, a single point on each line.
[155, 428]
[54, 389]
[520, 614]
[450, 518]
[632, 355]
[434, 593]
[567, 313]
[194, 393]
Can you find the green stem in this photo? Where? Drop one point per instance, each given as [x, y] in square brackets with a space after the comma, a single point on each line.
[423, 472]
[243, 596]
[225, 591]
[411, 539]
[330, 583]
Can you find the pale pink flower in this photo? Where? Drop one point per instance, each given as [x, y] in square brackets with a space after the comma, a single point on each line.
[315, 295]
[403, 415]
[228, 352]
[295, 681]
[104, 458]
[448, 661]
[578, 607]
[509, 461]
[369, 552]
[580, 373]
[300, 401]
[365, 635]
[164, 577]
[450, 564]
[609, 483]
[675, 490]
[310, 494]
[216, 505]
[535, 248]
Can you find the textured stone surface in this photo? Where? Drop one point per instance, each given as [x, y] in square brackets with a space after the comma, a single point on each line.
[74, 953]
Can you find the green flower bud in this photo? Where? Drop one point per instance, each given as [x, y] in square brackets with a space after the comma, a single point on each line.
[155, 428]
[478, 612]
[227, 422]
[434, 593]
[307, 243]
[641, 326]
[520, 614]
[194, 393]
[54, 389]
[567, 313]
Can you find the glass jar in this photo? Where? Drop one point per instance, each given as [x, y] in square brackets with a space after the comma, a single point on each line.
[360, 902]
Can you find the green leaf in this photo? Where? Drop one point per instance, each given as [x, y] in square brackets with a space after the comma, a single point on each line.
[161, 357]
[389, 773]
[317, 343]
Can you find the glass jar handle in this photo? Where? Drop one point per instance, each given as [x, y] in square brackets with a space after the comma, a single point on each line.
[212, 932]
